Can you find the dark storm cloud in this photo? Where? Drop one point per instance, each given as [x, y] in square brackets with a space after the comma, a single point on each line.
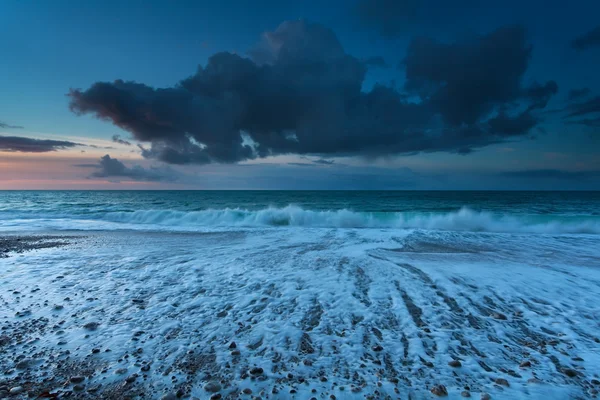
[300, 93]
[578, 94]
[8, 126]
[117, 139]
[29, 145]
[587, 40]
[465, 81]
[512, 126]
[552, 174]
[112, 168]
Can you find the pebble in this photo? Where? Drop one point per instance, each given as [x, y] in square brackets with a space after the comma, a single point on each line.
[91, 326]
[439, 390]
[377, 348]
[525, 364]
[571, 373]
[455, 364]
[121, 371]
[16, 390]
[464, 393]
[212, 387]
[216, 396]
[502, 382]
[247, 391]
[24, 364]
[256, 371]
[169, 396]
[498, 315]
[485, 396]
[77, 379]
[232, 345]
[79, 388]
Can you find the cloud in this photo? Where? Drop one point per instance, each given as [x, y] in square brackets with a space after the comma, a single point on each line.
[94, 146]
[7, 126]
[578, 94]
[465, 81]
[29, 145]
[587, 40]
[299, 92]
[113, 168]
[117, 139]
[323, 161]
[590, 106]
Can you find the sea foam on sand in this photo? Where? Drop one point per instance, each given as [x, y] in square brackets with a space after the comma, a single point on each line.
[304, 312]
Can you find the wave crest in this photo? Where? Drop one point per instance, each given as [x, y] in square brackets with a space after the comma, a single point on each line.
[464, 219]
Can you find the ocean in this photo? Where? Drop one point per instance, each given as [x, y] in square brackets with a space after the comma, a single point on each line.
[300, 294]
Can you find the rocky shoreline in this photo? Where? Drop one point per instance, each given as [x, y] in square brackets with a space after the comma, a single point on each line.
[141, 316]
[14, 244]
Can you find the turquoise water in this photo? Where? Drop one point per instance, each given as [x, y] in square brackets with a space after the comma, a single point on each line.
[535, 212]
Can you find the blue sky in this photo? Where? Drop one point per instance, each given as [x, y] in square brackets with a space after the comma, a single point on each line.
[50, 47]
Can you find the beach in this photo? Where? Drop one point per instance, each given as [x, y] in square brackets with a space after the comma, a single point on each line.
[323, 313]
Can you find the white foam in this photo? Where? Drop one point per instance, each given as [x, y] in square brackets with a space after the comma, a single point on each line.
[463, 220]
[202, 291]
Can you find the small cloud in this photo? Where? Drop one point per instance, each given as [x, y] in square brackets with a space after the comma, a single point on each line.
[323, 161]
[93, 146]
[587, 40]
[590, 106]
[113, 168]
[29, 145]
[7, 126]
[117, 139]
[577, 94]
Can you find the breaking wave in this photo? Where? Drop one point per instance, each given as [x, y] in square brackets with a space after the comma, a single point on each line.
[464, 219]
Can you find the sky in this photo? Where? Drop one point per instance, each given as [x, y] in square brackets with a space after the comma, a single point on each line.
[353, 94]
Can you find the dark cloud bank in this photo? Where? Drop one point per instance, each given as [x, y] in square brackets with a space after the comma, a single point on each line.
[28, 145]
[298, 92]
